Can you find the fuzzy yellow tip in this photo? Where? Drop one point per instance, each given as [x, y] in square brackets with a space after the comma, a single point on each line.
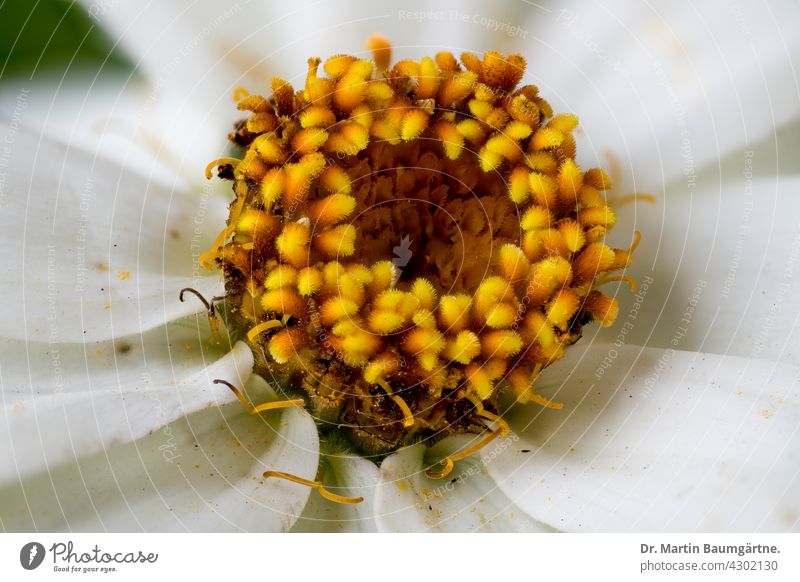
[381, 49]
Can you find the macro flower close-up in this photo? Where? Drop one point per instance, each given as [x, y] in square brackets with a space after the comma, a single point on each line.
[400, 267]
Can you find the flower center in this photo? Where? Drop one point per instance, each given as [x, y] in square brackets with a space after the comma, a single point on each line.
[408, 241]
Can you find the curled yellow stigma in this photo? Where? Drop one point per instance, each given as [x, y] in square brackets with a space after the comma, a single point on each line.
[448, 463]
[408, 417]
[253, 410]
[213, 318]
[634, 285]
[316, 485]
[219, 162]
[206, 258]
[262, 327]
[408, 239]
[636, 197]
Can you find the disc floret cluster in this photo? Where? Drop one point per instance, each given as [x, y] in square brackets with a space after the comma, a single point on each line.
[409, 240]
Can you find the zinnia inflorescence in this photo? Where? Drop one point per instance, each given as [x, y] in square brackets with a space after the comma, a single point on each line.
[408, 241]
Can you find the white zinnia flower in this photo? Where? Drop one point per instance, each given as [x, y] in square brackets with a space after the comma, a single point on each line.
[110, 417]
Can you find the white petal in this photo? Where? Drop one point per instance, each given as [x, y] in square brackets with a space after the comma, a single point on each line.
[415, 28]
[718, 270]
[73, 413]
[93, 251]
[219, 46]
[467, 500]
[159, 356]
[200, 473]
[111, 114]
[193, 58]
[654, 440]
[195, 55]
[351, 476]
[668, 88]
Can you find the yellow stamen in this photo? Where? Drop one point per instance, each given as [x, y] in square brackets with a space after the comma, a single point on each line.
[542, 401]
[637, 239]
[316, 485]
[213, 318]
[253, 410]
[295, 402]
[501, 422]
[447, 468]
[237, 210]
[476, 402]
[220, 162]
[408, 417]
[628, 279]
[615, 164]
[206, 258]
[240, 93]
[449, 461]
[481, 411]
[620, 201]
[262, 327]
[528, 395]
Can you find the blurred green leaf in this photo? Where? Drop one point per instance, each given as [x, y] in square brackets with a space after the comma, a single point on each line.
[52, 37]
